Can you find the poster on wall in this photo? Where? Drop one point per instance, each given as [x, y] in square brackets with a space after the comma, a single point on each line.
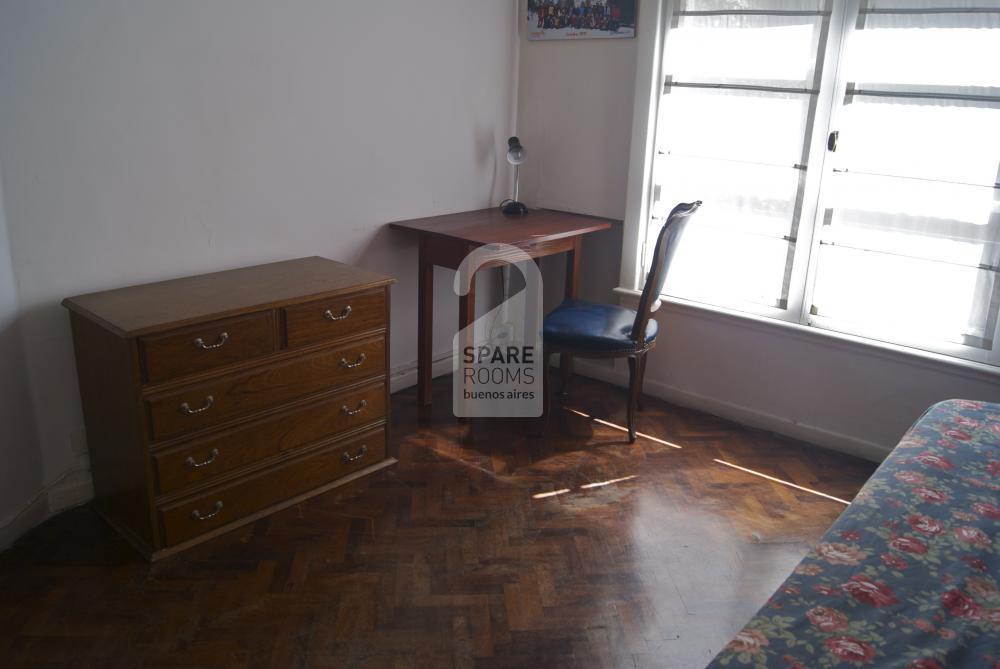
[581, 19]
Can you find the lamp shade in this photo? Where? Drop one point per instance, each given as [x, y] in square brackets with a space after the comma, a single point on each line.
[516, 153]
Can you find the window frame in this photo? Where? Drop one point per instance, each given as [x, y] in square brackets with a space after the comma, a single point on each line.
[650, 79]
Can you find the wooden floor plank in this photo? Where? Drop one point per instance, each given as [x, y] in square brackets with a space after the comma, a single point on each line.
[481, 548]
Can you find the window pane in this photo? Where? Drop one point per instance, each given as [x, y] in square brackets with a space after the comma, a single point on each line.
[922, 219]
[926, 43]
[754, 199]
[726, 268]
[903, 137]
[743, 5]
[912, 229]
[731, 132]
[737, 125]
[911, 5]
[900, 298]
[916, 50]
[768, 49]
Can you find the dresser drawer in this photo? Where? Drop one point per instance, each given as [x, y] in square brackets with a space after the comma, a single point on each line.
[335, 317]
[198, 514]
[207, 404]
[204, 459]
[207, 345]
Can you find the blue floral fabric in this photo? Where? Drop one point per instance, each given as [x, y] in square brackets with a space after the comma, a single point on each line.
[907, 576]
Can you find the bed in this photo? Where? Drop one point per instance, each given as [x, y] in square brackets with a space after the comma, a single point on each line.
[907, 576]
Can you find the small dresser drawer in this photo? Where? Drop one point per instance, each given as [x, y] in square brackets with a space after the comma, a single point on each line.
[212, 402]
[204, 459]
[335, 317]
[207, 346]
[202, 513]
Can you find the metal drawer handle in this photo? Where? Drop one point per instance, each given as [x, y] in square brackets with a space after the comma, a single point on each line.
[186, 408]
[351, 365]
[216, 508]
[212, 455]
[200, 343]
[343, 314]
[347, 457]
[354, 412]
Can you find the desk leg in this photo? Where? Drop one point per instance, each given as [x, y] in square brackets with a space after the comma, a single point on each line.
[573, 268]
[572, 286]
[425, 328]
[466, 317]
[467, 309]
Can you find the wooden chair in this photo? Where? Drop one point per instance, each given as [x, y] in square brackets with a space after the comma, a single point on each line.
[589, 330]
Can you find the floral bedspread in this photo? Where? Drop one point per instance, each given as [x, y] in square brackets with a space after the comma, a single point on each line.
[907, 576]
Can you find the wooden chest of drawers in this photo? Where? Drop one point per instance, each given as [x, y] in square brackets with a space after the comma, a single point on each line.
[211, 401]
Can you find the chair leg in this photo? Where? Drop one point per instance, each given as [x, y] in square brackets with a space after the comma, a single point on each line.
[547, 386]
[543, 423]
[633, 385]
[640, 401]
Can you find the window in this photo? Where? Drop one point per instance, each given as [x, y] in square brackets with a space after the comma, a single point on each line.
[848, 155]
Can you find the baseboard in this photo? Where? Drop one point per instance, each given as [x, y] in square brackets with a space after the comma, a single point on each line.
[76, 489]
[73, 488]
[37, 511]
[404, 376]
[738, 414]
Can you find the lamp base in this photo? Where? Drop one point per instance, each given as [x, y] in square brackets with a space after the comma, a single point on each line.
[514, 209]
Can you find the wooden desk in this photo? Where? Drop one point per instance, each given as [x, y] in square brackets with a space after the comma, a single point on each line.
[446, 240]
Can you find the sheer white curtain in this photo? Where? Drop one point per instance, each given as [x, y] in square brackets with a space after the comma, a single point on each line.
[894, 232]
[738, 99]
[909, 244]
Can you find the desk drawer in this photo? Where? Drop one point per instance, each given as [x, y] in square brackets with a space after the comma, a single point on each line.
[335, 317]
[207, 346]
[209, 403]
[202, 513]
[205, 459]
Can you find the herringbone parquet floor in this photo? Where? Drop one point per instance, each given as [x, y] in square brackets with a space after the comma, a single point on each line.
[456, 557]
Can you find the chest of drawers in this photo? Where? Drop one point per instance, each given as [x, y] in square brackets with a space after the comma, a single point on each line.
[211, 401]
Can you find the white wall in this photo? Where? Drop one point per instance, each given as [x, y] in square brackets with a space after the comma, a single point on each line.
[575, 111]
[836, 393]
[144, 140]
[575, 119]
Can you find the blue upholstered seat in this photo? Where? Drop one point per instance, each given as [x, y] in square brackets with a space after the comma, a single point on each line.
[585, 326]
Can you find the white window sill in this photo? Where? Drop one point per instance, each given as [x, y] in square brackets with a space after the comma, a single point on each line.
[860, 345]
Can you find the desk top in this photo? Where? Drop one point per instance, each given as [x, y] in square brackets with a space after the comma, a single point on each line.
[490, 226]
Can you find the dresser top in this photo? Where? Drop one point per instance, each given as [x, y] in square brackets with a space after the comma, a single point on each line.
[164, 305]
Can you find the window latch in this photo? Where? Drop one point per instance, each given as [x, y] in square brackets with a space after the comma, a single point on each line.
[831, 141]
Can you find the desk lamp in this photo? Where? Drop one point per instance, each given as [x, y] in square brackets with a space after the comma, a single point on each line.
[515, 156]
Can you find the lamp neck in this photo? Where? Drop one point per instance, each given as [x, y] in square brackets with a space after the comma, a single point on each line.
[517, 181]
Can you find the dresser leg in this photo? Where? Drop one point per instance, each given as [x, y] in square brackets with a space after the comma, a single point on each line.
[425, 329]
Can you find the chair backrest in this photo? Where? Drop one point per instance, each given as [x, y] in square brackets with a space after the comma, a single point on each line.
[666, 245]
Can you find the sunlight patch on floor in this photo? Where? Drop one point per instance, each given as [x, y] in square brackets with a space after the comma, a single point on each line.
[586, 486]
[782, 481]
[623, 429]
[601, 484]
[543, 495]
